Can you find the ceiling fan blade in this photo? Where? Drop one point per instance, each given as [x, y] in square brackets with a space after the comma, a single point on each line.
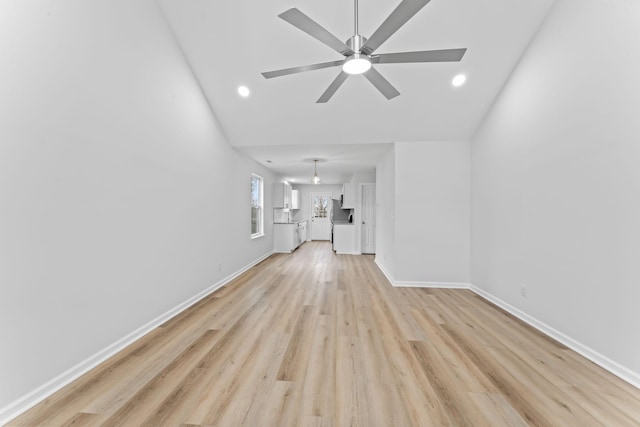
[405, 11]
[298, 19]
[381, 83]
[445, 55]
[301, 69]
[333, 87]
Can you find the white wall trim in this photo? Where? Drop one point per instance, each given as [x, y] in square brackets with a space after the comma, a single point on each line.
[34, 397]
[604, 362]
[442, 285]
[384, 270]
[409, 284]
[615, 368]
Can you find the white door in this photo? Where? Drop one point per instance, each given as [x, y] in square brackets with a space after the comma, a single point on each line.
[368, 219]
[320, 214]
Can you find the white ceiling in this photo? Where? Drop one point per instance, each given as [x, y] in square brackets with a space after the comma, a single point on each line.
[336, 162]
[229, 43]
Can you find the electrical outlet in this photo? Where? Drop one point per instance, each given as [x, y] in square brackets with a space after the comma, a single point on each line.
[523, 290]
[219, 266]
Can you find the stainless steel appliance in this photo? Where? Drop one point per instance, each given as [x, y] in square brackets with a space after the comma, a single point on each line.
[337, 213]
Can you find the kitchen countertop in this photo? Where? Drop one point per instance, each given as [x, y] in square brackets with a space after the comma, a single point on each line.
[292, 222]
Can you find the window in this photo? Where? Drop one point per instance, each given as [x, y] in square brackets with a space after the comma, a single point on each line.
[257, 215]
[320, 206]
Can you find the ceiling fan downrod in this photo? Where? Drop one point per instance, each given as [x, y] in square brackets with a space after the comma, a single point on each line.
[355, 17]
[356, 41]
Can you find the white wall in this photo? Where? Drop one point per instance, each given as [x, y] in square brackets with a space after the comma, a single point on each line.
[385, 212]
[119, 194]
[432, 212]
[556, 182]
[364, 177]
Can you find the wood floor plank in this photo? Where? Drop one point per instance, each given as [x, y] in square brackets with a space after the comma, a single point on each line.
[278, 408]
[426, 410]
[318, 394]
[318, 339]
[310, 421]
[83, 419]
[296, 358]
[559, 405]
[247, 403]
[497, 410]
[459, 407]
[353, 403]
[346, 316]
[459, 361]
[138, 407]
[217, 365]
[376, 375]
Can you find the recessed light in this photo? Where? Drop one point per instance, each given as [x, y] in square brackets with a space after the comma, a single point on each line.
[459, 80]
[243, 91]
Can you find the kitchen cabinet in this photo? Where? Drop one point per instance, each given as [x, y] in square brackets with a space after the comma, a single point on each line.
[287, 237]
[343, 238]
[302, 230]
[295, 199]
[348, 196]
[282, 195]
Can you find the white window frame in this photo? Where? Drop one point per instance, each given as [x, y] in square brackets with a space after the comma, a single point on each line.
[260, 219]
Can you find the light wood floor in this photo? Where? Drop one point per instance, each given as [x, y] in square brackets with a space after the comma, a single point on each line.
[316, 339]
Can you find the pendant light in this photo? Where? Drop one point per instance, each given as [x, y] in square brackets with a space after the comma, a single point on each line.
[316, 178]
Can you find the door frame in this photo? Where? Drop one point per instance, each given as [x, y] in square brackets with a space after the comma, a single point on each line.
[359, 214]
[312, 197]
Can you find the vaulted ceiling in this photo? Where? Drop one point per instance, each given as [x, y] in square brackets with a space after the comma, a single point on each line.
[229, 43]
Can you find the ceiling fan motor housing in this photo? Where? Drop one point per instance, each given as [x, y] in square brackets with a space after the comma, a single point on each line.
[356, 42]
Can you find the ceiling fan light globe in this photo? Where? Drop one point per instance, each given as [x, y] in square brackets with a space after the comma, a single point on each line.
[356, 64]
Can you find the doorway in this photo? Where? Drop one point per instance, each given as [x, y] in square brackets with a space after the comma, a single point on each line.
[368, 233]
[320, 216]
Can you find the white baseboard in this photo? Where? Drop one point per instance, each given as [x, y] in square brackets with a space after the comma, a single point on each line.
[409, 284]
[615, 368]
[441, 285]
[34, 397]
[384, 270]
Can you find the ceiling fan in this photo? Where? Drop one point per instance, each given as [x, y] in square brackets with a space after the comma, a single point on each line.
[359, 51]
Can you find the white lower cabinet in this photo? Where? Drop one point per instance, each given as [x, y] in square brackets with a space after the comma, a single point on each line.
[303, 231]
[287, 237]
[343, 238]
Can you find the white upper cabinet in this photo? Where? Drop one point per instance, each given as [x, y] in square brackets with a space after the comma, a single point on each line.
[348, 196]
[295, 199]
[282, 195]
